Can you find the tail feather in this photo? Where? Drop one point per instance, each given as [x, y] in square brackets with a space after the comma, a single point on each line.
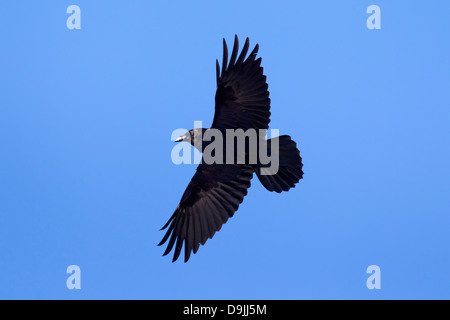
[290, 167]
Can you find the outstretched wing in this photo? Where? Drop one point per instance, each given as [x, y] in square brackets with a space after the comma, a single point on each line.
[212, 196]
[242, 98]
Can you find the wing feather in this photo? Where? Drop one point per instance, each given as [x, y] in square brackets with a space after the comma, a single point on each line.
[242, 98]
[211, 198]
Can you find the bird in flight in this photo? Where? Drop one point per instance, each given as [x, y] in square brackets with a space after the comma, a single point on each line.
[217, 189]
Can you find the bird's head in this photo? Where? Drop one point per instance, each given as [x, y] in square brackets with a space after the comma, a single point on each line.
[194, 137]
[185, 137]
[190, 135]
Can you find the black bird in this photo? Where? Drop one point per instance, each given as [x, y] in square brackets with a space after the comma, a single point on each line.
[216, 190]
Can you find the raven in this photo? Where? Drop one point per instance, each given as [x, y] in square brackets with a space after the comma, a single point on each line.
[216, 190]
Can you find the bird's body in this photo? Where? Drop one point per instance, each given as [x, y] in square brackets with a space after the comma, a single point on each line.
[217, 188]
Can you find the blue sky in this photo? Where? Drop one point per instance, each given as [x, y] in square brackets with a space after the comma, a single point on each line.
[87, 179]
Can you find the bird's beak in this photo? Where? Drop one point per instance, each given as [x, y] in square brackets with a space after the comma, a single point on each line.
[179, 139]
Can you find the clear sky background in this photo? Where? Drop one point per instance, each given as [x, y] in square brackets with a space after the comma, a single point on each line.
[86, 176]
